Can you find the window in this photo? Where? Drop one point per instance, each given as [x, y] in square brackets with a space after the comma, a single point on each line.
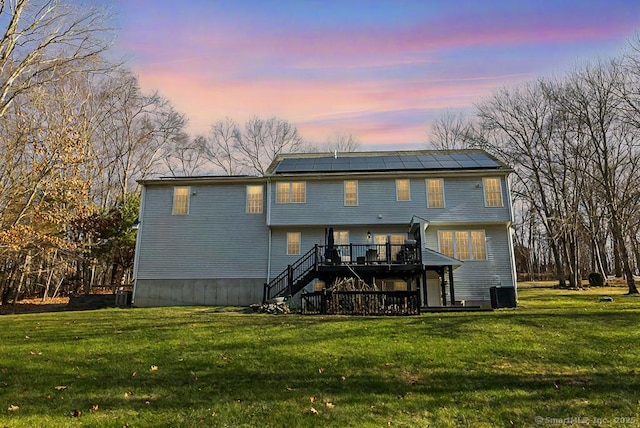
[351, 193]
[396, 241]
[435, 193]
[402, 190]
[299, 192]
[291, 193]
[393, 285]
[341, 237]
[478, 244]
[293, 243]
[254, 199]
[283, 191]
[181, 200]
[492, 192]
[463, 244]
[446, 243]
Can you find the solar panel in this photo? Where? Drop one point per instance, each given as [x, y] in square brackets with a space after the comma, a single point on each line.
[387, 162]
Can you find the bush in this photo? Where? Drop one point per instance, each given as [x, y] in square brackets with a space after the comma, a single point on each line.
[596, 279]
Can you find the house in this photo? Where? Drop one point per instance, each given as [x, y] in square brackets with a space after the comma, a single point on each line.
[437, 222]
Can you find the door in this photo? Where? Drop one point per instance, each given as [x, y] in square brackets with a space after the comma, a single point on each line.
[434, 290]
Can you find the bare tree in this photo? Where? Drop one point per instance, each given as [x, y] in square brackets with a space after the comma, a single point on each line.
[262, 140]
[341, 142]
[451, 131]
[521, 124]
[252, 149]
[591, 97]
[221, 147]
[134, 133]
[44, 40]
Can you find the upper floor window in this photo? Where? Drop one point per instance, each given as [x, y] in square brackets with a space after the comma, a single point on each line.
[492, 192]
[351, 193]
[254, 199]
[435, 193]
[293, 243]
[291, 192]
[402, 190]
[181, 200]
[463, 244]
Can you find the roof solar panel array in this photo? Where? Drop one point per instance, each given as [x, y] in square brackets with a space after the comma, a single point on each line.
[394, 162]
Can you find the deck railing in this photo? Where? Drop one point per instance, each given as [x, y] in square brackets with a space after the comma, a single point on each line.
[289, 282]
[376, 303]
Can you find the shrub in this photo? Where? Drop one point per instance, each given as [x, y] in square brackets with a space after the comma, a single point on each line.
[596, 279]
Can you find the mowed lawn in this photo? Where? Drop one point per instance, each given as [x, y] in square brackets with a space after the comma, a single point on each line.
[561, 354]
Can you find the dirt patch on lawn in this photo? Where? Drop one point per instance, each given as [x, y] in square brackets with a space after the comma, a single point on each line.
[28, 306]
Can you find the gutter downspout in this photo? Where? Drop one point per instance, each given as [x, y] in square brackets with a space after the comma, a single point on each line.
[136, 256]
[510, 232]
[269, 227]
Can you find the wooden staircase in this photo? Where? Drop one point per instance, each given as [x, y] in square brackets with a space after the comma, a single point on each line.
[295, 277]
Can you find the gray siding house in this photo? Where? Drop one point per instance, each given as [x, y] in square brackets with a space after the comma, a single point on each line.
[219, 240]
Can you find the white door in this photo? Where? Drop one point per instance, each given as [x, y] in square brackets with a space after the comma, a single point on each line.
[434, 290]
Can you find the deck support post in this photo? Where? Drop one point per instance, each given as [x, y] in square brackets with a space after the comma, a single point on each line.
[451, 293]
[443, 286]
[289, 278]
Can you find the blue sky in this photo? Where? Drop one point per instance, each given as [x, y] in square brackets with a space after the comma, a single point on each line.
[381, 70]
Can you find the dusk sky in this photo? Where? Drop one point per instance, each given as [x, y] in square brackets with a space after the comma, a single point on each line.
[380, 70]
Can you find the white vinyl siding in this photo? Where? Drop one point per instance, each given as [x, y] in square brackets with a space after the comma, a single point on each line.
[291, 192]
[463, 244]
[351, 193]
[492, 192]
[293, 243]
[254, 199]
[435, 193]
[181, 200]
[402, 190]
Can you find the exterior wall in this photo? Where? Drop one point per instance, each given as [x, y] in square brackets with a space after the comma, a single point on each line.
[377, 205]
[473, 279]
[214, 245]
[219, 255]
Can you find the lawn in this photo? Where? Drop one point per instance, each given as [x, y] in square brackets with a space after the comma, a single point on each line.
[561, 354]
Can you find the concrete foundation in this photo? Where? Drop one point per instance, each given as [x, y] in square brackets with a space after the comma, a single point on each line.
[208, 292]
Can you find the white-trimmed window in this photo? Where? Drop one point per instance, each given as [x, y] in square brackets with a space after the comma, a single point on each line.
[181, 200]
[291, 192]
[463, 244]
[254, 199]
[478, 245]
[293, 243]
[435, 193]
[341, 237]
[492, 192]
[445, 240]
[351, 193]
[402, 190]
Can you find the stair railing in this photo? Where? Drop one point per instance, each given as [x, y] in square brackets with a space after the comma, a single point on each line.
[285, 283]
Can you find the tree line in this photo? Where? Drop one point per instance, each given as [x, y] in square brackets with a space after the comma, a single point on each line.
[574, 143]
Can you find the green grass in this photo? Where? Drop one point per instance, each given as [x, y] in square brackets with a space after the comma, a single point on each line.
[561, 354]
